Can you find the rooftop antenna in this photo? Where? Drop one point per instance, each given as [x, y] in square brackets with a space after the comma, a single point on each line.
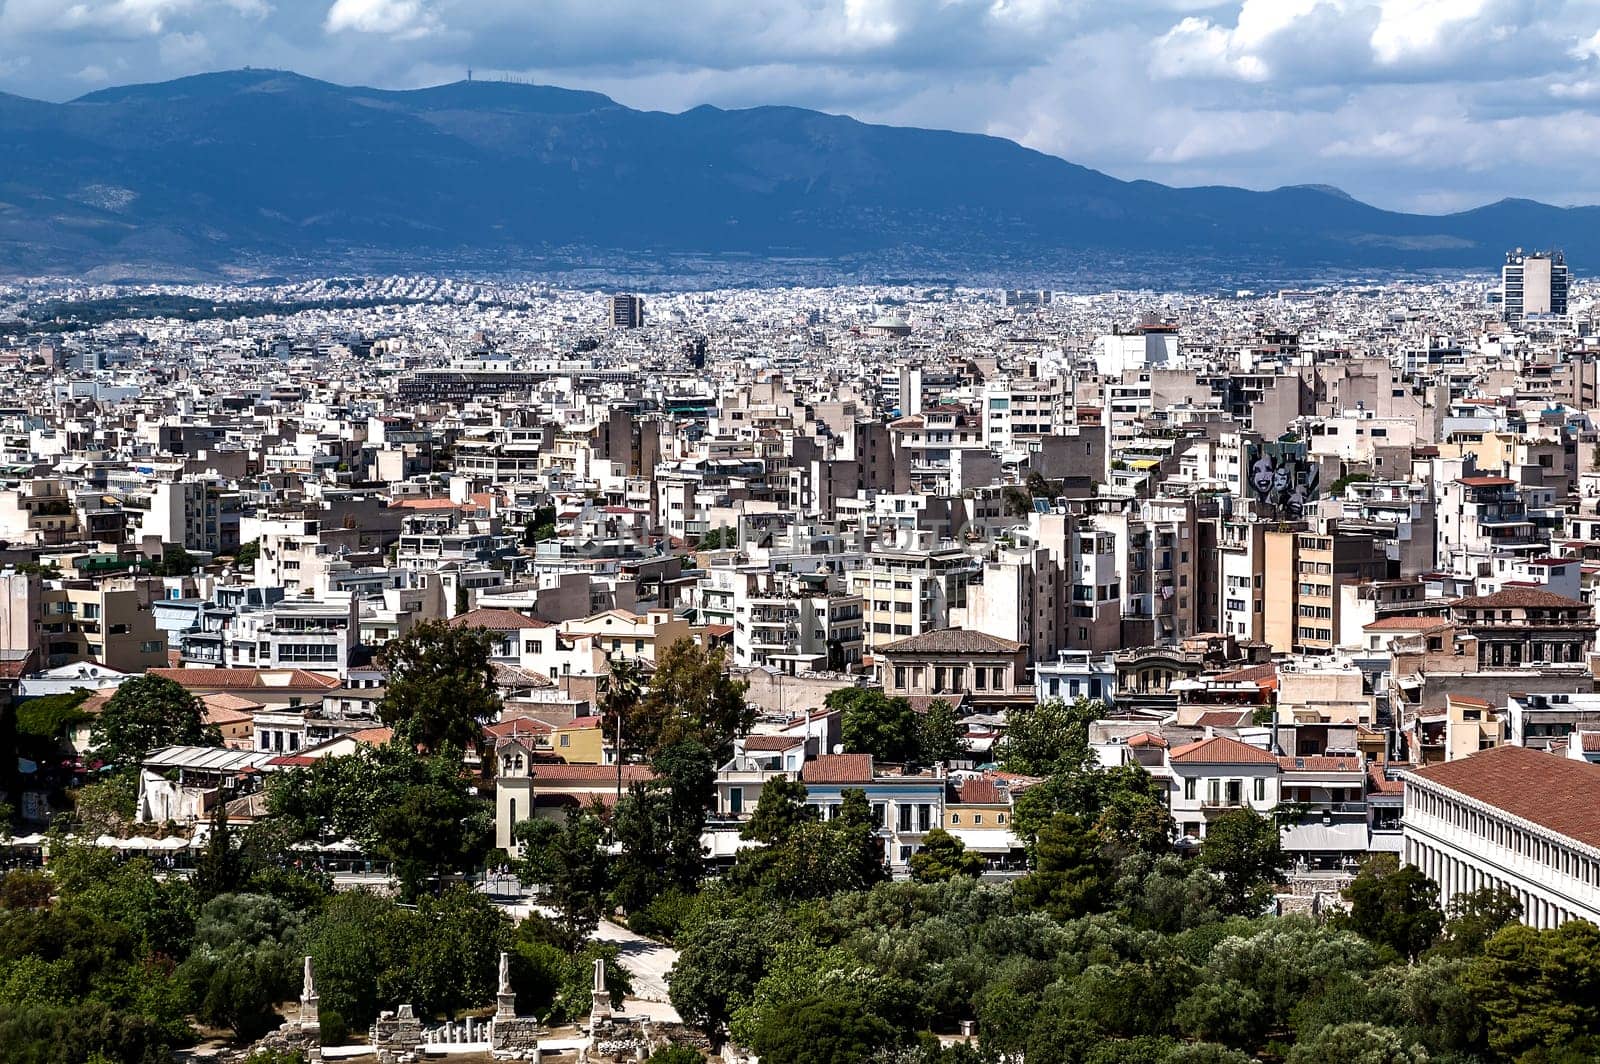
[469, 73]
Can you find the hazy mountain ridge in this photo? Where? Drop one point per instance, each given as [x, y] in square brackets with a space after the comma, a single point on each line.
[252, 164]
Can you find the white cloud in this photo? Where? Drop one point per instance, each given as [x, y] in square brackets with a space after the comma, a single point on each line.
[400, 19]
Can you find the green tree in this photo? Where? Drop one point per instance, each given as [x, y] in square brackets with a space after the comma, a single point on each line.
[676, 1054]
[822, 1030]
[1358, 1043]
[432, 825]
[580, 878]
[107, 806]
[1475, 917]
[1393, 905]
[1070, 874]
[940, 737]
[441, 686]
[720, 962]
[870, 722]
[1244, 849]
[1540, 990]
[245, 557]
[1046, 739]
[149, 713]
[942, 856]
[691, 697]
[779, 812]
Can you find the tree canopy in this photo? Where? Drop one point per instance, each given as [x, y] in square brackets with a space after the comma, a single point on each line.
[148, 713]
[441, 687]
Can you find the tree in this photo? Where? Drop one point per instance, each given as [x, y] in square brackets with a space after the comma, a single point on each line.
[1069, 878]
[432, 825]
[779, 812]
[1393, 905]
[870, 722]
[1357, 1043]
[1539, 990]
[939, 734]
[673, 1053]
[719, 964]
[943, 856]
[1049, 738]
[220, 867]
[107, 806]
[149, 713]
[245, 557]
[823, 1029]
[619, 699]
[580, 876]
[691, 696]
[1473, 918]
[1244, 849]
[441, 686]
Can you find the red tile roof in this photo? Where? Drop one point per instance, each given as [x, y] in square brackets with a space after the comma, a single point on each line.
[497, 620]
[1224, 718]
[979, 791]
[1557, 793]
[246, 679]
[1406, 624]
[951, 641]
[1320, 763]
[1221, 750]
[1520, 598]
[1268, 671]
[773, 742]
[838, 768]
[564, 773]
[1486, 482]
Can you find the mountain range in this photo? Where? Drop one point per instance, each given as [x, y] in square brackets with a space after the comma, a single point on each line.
[258, 166]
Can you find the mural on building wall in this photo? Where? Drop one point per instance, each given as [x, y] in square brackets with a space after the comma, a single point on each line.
[1283, 478]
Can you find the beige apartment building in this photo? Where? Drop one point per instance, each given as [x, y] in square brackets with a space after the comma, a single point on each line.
[106, 621]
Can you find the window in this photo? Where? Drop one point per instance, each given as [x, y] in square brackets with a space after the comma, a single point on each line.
[1188, 790]
[1261, 790]
[955, 818]
[904, 820]
[566, 740]
[735, 800]
[977, 818]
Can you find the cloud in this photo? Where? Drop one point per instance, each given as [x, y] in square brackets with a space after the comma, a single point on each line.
[400, 19]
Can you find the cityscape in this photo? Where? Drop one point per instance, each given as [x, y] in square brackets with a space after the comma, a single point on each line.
[493, 573]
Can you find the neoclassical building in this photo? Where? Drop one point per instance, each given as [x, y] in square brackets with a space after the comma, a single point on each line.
[1509, 817]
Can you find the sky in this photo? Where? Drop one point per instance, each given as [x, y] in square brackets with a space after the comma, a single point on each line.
[1423, 105]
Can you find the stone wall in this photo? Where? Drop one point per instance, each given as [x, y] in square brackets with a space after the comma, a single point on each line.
[515, 1039]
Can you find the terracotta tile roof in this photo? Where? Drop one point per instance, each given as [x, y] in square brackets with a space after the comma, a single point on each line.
[497, 620]
[773, 743]
[951, 641]
[1406, 624]
[1378, 783]
[1486, 482]
[981, 792]
[246, 679]
[373, 736]
[1520, 598]
[564, 773]
[1221, 750]
[517, 727]
[292, 761]
[838, 768]
[1147, 739]
[1320, 763]
[1467, 700]
[1249, 672]
[223, 700]
[1557, 793]
[1224, 718]
[1590, 741]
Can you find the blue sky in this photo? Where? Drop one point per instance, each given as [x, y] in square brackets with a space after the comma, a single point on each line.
[1413, 104]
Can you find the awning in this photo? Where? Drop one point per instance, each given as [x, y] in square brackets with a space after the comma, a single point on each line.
[1325, 838]
[987, 840]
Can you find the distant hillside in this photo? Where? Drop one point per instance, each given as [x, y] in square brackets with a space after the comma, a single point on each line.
[267, 165]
